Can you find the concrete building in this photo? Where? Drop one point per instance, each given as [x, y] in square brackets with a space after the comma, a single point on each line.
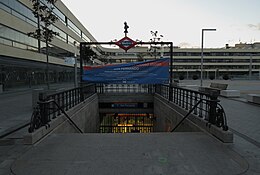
[239, 61]
[23, 59]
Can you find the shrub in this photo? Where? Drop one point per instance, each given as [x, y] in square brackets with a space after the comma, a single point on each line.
[225, 77]
[195, 77]
[211, 77]
[181, 77]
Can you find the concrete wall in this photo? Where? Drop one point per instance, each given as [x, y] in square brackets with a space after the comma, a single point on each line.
[85, 115]
[168, 115]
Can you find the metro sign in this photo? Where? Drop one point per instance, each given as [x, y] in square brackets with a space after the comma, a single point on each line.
[126, 43]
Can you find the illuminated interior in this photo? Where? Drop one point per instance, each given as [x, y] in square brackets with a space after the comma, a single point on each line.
[127, 123]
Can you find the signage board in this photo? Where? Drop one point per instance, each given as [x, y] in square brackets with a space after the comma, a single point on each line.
[147, 72]
[126, 43]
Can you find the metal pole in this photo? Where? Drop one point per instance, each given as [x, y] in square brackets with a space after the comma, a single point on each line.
[82, 45]
[171, 61]
[250, 67]
[201, 60]
[47, 67]
[82, 51]
[75, 70]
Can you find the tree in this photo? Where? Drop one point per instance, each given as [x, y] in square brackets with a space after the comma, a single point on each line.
[87, 54]
[140, 56]
[46, 18]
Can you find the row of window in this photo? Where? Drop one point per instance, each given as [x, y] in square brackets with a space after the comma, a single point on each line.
[26, 15]
[62, 35]
[66, 21]
[216, 67]
[13, 35]
[226, 60]
[214, 54]
[188, 54]
[74, 28]
[17, 39]
[19, 10]
[13, 76]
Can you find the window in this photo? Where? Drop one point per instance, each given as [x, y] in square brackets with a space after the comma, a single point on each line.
[74, 28]
[19, 10]
[62, 35]
[59, 14]
[85, 38]
[17, 39]
[72, 41]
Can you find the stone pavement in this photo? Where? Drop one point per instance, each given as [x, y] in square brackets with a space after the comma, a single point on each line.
[16, 106]
[243, 117]
[129, 154]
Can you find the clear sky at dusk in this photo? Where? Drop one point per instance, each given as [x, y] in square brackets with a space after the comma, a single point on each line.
[179, 21]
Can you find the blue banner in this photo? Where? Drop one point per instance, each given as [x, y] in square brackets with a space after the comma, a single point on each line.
[148, 72]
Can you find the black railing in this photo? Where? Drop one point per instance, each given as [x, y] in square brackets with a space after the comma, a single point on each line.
[203, 105]
[52, 105]
[125, 88]
[208, 109]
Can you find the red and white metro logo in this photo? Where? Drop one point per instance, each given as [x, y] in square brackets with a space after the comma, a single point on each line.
[126, 43]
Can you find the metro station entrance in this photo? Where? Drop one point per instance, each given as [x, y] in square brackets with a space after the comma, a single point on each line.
[126, 123]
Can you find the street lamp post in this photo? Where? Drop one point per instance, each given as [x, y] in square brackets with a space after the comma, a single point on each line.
[75, 65]
[75, 71]
[201, 61]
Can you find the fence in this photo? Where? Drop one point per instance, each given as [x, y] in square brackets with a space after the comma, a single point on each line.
[52, 105]
[208, 108]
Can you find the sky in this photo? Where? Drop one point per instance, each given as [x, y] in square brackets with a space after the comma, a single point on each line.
[179, 21]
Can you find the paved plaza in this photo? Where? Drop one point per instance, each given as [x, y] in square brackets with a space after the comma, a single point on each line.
[156, 153]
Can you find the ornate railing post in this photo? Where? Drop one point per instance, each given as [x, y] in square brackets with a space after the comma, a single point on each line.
[44, 108]
[81, 92]
[170, 92]
[213, 107]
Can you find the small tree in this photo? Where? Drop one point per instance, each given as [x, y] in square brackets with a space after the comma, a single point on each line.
[46, 18]
[195, 77]
[225, 77]
[181, 77]
[87, 54]
[140, 56]
[211, 77]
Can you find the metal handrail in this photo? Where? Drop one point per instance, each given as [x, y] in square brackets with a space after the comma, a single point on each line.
[62, 101]
[37, 116]
[66, 115]
[192, 109]
[201, 104]
[221, 118]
